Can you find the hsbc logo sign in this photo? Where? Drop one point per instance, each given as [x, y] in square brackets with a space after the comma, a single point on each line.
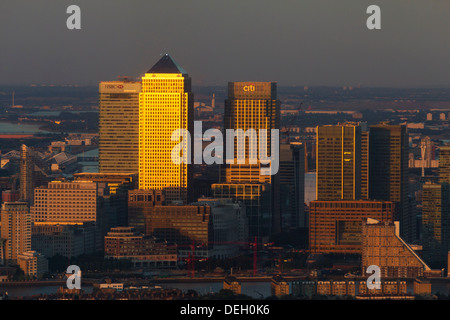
[113, 86]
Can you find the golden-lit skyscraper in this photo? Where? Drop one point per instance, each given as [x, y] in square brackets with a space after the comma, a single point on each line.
[365, 163]
[444, 164]
[165, 105]
[253, 106]
[250, 105]
[338, 162]
[119, 127]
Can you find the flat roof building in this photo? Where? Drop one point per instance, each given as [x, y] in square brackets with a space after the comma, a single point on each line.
[119, 126]
[336, 226]
[15, 230]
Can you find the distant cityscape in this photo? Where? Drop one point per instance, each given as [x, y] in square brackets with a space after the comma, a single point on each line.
[87, 178]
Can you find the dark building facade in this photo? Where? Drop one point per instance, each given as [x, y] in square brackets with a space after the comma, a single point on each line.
[435, 223]
[292, 185]
[253, 105]
[388, 172]
[140, 205]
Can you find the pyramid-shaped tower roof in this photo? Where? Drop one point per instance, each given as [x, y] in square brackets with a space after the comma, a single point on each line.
[167, 65]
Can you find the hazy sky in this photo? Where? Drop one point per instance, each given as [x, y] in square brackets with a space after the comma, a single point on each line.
[293, 42]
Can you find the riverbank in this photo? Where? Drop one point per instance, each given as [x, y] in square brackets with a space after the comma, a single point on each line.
[42, 283]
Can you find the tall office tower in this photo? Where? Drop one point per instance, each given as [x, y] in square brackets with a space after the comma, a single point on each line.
[388, 172]
[426, 153]
[16, 230]
[250, 105]
[338, 162]
[119, 127]
[444, 164]
[435, 222]
[165, 105]
[292, 185]
[253, 105]
[33, 173]
[365, 164]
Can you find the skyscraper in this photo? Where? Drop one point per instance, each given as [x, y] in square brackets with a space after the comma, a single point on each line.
[252, 106]
[365, 164]
[33, 173]
[165, 105]
[435, 222]
[292, 185]
[119, 127]
[15, 229]
[338, 162]
[388, 172]
[444, 164]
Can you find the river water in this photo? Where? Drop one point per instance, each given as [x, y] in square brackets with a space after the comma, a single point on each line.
[252, 289]
[16, 128]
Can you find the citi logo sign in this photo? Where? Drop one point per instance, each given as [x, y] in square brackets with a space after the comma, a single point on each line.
[249, 88]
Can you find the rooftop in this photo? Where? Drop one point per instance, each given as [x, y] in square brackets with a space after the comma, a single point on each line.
[167, 65]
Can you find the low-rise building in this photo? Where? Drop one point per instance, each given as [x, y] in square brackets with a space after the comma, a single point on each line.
[422, 287]
[65, 240]
[304, 288]
[279, 286]
[233, 284]
[32, 263]
[143, 251]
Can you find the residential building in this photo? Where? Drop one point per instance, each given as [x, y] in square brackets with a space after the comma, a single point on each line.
[382, 246]
[15, 230]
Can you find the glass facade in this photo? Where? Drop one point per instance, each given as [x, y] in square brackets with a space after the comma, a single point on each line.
[258, 202]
